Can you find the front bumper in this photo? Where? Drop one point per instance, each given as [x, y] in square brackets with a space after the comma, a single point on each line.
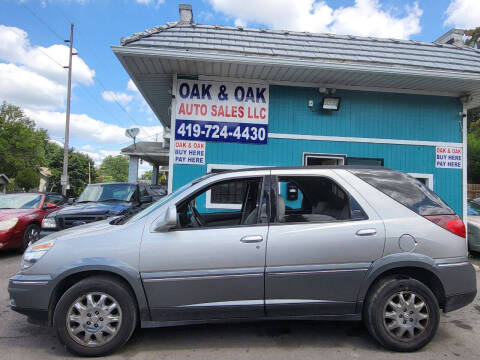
[30, 295]
[459, 282]
[9, 238]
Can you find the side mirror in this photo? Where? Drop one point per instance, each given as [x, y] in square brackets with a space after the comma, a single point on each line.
[49, 206]
[146, 199]
[167, 221]
[70, 201]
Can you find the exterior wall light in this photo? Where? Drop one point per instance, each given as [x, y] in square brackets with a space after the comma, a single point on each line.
[331, 103]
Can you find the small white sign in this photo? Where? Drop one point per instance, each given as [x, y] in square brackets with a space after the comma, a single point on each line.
[448, 157]
[189, 152]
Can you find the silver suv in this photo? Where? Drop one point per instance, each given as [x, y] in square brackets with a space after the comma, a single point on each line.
[352, 243]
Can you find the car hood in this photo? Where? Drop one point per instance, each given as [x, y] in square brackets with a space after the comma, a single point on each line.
[10, 213]
[95, 208]
[78, 231]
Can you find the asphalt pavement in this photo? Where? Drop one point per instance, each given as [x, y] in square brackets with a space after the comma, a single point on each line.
[457, 337]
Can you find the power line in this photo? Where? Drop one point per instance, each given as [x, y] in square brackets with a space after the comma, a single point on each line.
[80, 34]
[97, 77]
[39, 49]
[42, 21]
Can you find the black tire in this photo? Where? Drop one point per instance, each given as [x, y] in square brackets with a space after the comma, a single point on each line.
[31, 233]
[376, 306]
[101, 284]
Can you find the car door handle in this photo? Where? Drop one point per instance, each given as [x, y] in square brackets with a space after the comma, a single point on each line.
[366, 232]
[252, 239]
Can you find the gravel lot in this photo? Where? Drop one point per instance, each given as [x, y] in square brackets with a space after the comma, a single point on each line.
[458, 336]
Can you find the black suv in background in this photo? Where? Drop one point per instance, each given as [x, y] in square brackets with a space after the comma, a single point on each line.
[98, 202]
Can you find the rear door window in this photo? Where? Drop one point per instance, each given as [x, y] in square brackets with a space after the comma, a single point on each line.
[405, 189]
[314, 199]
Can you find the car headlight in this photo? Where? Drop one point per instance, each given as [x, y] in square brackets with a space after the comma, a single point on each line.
[8, 224]
[49, 223]
[35, 253]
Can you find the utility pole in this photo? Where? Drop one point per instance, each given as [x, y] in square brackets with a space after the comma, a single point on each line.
[89, 176]
[64, 178]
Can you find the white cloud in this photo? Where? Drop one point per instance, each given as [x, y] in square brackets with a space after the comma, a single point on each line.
[29, 78]
[131, 86]
[59, 143]
[100, 154]
[84, 127]
[25, 88]
[463, 14]
[149, 2]
[120, 97]
[364, 17]
[16, 48]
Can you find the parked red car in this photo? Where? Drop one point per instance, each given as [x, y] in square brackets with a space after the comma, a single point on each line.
[21, 215]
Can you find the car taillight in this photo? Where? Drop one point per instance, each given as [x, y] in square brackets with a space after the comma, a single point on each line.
[452, 223]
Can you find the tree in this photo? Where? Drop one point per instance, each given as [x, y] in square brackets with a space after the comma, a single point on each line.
[27, 178]
[473, 37]
[21, 144]
[114, 169]
[147, 175]
[77, 168]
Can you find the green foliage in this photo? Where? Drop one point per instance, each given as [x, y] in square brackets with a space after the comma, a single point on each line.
[23, 149]
[473, 152]
[147, 175]
[473, 37]
[27, 178]
[21, 144]
[113, 169]
[77, 168]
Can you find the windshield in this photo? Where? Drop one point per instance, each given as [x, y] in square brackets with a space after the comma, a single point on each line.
[20, 201]
[159, 203]
[107, 192]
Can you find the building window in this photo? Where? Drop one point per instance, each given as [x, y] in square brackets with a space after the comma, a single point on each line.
[364, 161]
[312, 159]
[227, 195]
[425, 179]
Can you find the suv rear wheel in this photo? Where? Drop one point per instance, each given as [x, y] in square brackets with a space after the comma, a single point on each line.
[402, 314]
[95, 317]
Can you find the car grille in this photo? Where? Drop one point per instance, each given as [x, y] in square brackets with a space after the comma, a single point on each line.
[67, 221]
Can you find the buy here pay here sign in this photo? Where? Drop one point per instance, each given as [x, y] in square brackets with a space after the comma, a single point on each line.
[448, 157]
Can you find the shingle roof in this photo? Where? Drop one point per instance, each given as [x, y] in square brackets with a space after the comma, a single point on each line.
[324, 48]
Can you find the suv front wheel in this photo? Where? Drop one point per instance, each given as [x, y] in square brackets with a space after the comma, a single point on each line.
[402, 314]
[95, 317]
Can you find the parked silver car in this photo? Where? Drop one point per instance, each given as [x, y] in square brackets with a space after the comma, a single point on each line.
[330, 243]
[473, 226]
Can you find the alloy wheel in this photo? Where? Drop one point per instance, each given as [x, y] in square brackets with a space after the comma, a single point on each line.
[405, 315]
[94, 319]
[33, 235]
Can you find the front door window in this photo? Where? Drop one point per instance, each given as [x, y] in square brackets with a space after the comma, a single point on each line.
[245, 192]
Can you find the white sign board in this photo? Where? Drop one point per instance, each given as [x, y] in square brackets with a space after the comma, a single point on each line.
[448, 157]
[189, 152]
[221, 111]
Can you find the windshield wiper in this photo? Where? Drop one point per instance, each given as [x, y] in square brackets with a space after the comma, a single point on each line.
[112, 199]
[83, 201]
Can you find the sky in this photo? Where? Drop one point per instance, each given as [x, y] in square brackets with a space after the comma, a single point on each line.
[104, 100]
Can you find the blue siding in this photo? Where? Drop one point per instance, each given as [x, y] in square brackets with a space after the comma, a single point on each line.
[366, 114]
[362, 114]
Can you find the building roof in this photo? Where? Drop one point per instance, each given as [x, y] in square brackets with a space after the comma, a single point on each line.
[5, 178]
[309, 46]
[153, 152]
[323, 60]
